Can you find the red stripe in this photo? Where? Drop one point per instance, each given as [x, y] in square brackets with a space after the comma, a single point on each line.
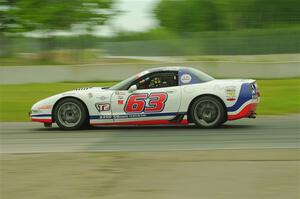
[146, 122]
[231, 99]
[245, 112]
[41, 120]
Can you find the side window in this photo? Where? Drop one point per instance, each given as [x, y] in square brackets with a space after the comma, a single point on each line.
[158, 80]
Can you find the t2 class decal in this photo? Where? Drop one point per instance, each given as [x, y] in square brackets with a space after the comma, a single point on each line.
[137, 103]
[102, 107]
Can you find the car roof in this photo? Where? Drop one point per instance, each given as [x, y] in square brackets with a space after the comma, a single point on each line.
[167, 68]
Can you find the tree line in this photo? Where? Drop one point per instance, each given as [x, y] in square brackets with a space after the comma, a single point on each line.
[211, 15]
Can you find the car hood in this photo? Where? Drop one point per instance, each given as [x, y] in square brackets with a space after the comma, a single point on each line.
[79, 93]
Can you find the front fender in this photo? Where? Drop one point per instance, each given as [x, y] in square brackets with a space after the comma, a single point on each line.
[42, 110]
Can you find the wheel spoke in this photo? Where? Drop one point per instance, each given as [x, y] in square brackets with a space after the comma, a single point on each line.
[69, 114]
[207, 112]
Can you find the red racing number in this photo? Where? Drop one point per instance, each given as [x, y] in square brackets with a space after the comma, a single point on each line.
[156, 102]
[137, 103]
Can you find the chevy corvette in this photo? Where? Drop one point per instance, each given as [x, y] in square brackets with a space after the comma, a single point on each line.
[168, 95]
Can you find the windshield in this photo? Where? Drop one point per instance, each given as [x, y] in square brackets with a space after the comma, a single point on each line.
[123, 85]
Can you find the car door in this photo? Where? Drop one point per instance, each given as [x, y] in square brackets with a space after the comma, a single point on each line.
[156, 99]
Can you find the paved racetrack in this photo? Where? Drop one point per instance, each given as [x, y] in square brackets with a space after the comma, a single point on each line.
[263, 132]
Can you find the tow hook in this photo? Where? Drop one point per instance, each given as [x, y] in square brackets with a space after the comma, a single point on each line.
[252, 115]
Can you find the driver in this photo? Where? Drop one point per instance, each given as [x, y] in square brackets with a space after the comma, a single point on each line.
[155, 83]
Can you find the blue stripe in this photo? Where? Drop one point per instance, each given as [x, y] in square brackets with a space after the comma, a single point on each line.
[136, 115]
[42, 115]
[244, 96]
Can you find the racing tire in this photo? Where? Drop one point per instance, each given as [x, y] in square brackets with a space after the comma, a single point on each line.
[207, 112]
[70, 114]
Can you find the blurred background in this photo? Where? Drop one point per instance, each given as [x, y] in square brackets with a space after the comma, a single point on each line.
[51, 46]
[96, 41]
[87, 31]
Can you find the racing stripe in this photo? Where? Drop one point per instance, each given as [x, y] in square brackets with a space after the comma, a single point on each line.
[144, 122]
[43, 120]
[136, 115]
[245, 112]
[244, 96]
[41, 115]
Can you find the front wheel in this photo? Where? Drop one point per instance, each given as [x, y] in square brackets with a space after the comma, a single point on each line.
[207, 112]
[70, 114]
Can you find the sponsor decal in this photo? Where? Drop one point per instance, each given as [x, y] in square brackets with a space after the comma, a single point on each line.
[102, 107]
[135, 115]
[120, 93]
[230, 92]
[45, 107]
[102, 98]
[120, 101]
[105, 117]
[186, 78]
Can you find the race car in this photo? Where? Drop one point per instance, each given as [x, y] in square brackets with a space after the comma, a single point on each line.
[168, 96]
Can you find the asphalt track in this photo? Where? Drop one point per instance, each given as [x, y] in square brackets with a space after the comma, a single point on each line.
[260, 133]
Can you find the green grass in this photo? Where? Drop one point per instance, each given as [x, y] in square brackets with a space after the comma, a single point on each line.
[16, 100]
[278, 97]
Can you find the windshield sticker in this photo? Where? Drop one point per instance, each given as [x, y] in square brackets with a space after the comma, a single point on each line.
[186, 78]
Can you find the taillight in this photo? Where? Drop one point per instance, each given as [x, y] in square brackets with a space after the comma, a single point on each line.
[254, 90]
[258, 93]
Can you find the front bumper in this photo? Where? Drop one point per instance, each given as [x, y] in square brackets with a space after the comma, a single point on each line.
[37, 117]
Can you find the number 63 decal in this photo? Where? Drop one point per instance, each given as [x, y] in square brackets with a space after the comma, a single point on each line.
[136, 103]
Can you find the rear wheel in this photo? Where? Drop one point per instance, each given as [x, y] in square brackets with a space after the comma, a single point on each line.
[70, 114]
[207, 112]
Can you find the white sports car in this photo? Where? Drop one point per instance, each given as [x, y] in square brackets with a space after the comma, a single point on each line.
[168, 95]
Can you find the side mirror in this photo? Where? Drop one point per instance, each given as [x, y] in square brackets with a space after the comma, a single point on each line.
[132, 88]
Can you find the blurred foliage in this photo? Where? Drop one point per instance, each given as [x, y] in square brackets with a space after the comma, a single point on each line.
[46, 18]
[241, 42]
[187, 27]
[189, 15]
[207, 15]
[158, 43]
[29, 15]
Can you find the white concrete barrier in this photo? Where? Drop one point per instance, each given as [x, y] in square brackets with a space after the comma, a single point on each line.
[42, 74]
